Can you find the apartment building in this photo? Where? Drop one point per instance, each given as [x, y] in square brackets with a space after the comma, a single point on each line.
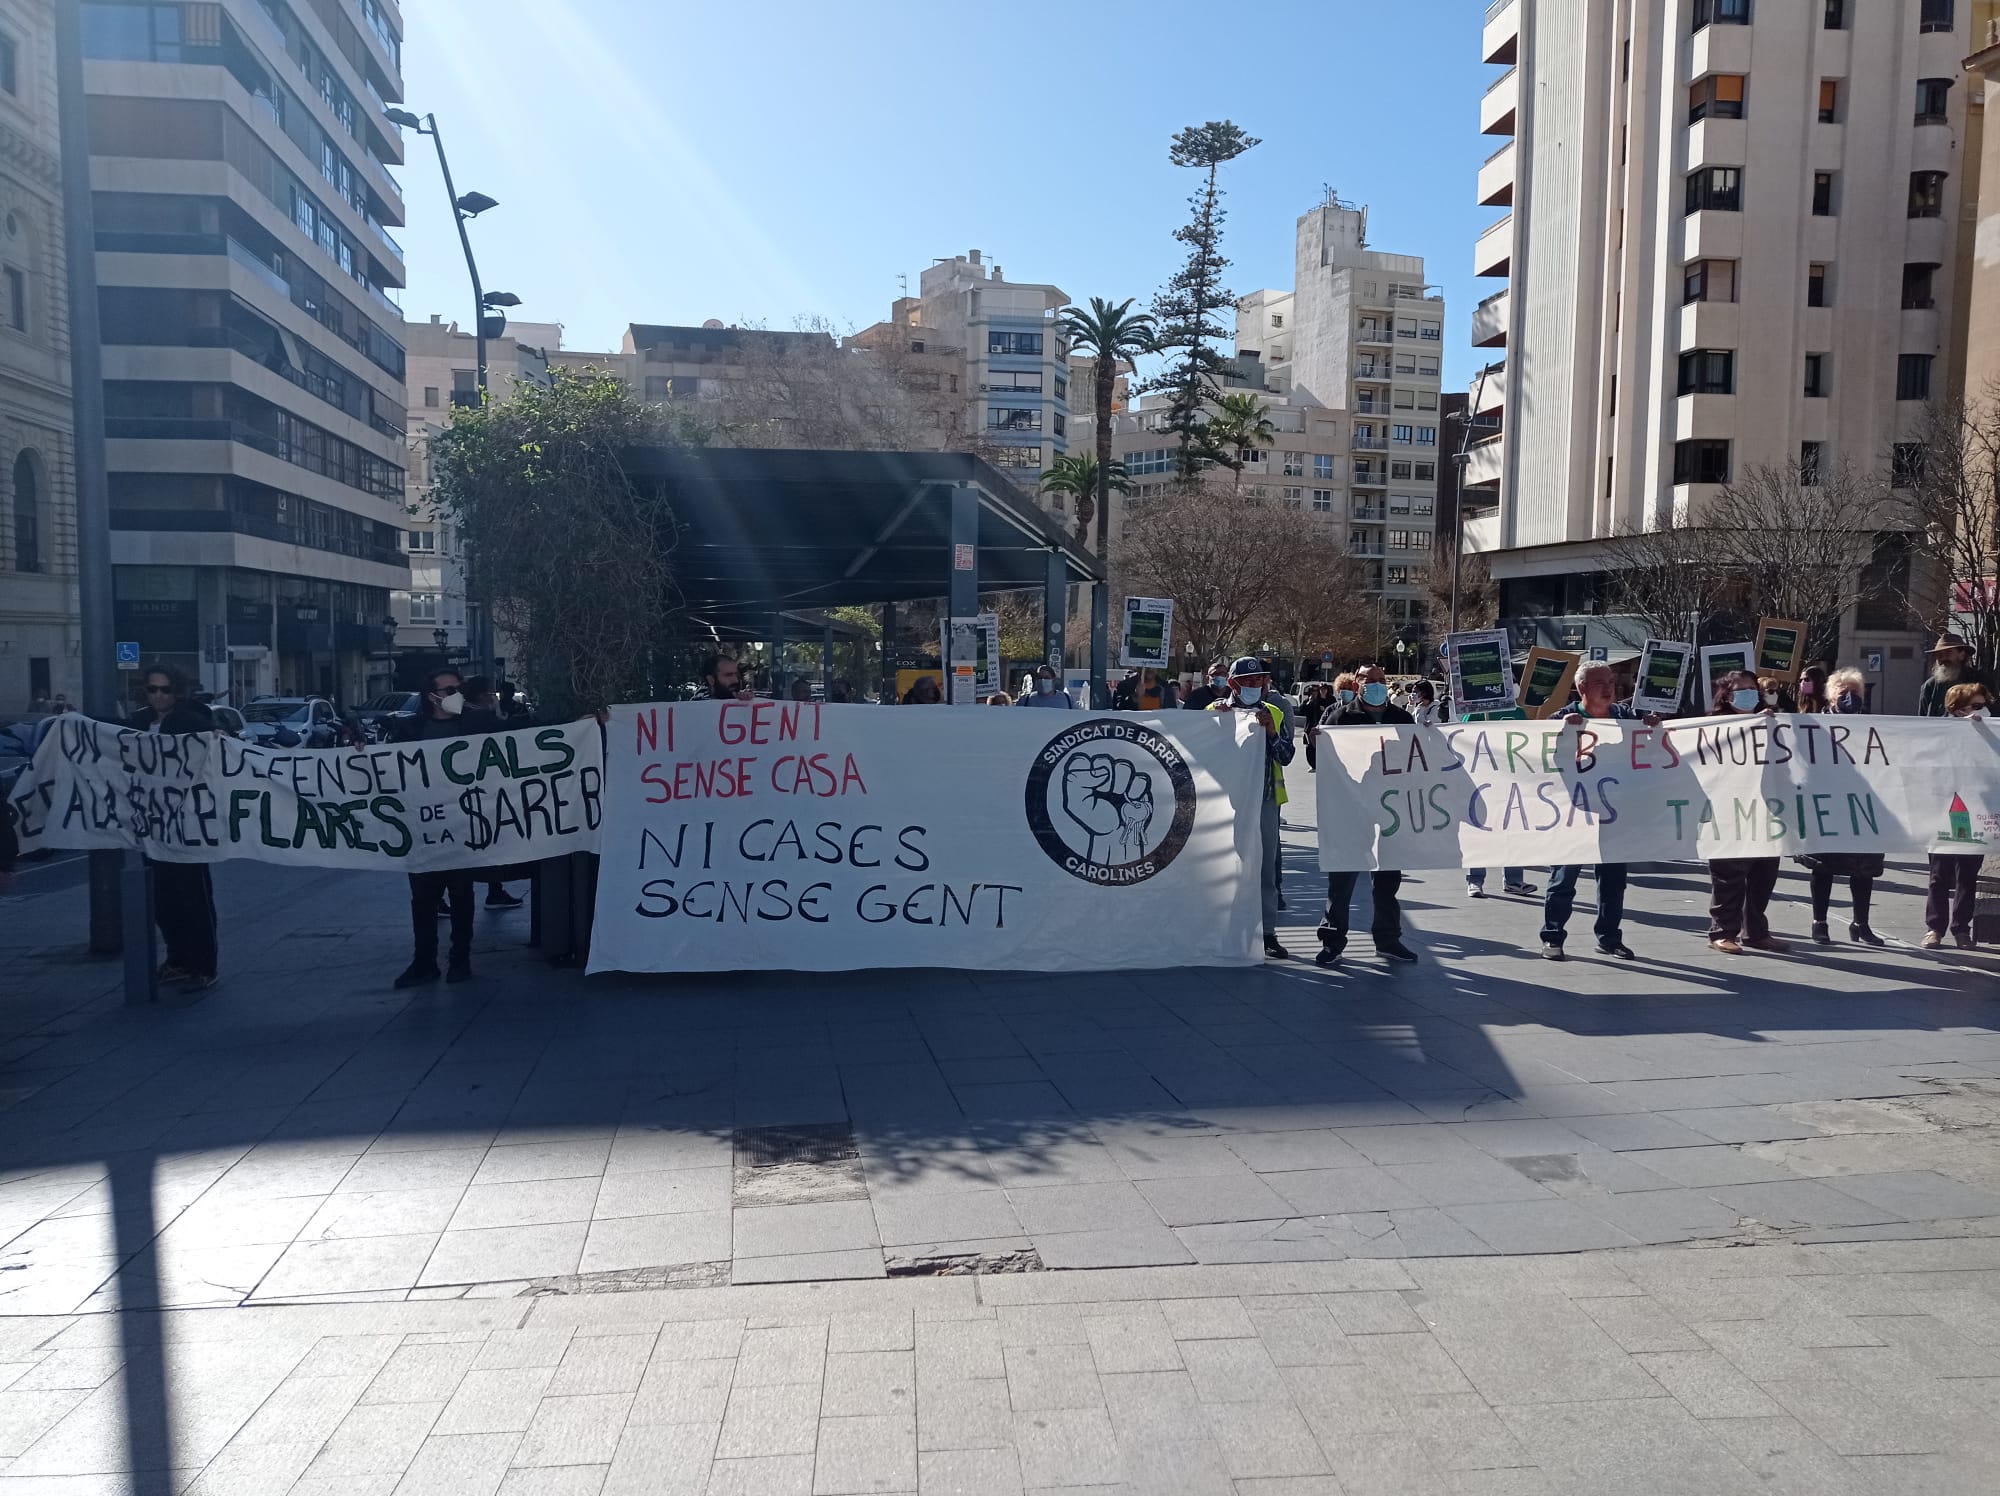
[40, 639]
[254, 393]
[436, 623]
[1731, 240]
[1354, 353]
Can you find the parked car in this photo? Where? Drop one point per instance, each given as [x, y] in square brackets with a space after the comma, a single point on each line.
[378, 712]
[291, 722]
[227, 719]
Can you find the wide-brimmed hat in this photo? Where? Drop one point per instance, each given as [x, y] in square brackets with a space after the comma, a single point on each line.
[1946, 641]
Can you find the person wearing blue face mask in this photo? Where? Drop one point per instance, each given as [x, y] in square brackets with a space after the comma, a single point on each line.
[1847, 693]
[1249, 687]
[1214, 687]
[1740, 888]
[1046, 692]
[1370, 709]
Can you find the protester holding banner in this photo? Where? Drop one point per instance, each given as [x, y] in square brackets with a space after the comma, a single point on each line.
[1954, 881]
[183, 895]
[1211, 690]
[1597, 689]
[444, 715]
[1384, 884]
[1847, 689]
[1248, 682]
[722, 679]
[1740, 887]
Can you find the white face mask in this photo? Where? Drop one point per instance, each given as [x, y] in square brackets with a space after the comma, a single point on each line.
[1746, 698]
[1979, 711]
[451, 703]
[1250, 695]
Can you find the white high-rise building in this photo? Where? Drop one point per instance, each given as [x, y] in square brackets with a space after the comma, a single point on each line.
[1731, 241]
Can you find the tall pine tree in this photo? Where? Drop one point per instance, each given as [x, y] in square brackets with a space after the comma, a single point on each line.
[1188, 308]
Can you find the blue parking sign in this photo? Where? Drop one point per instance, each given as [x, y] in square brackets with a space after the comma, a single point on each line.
[128, 654]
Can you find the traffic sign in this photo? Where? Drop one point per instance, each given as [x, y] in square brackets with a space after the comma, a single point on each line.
[1326, 657]
[1600, 652]
[128, 654]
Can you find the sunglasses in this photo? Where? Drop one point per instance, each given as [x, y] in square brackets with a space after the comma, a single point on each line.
[159, 690]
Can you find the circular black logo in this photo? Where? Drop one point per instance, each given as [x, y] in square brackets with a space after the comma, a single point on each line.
[1110, 801]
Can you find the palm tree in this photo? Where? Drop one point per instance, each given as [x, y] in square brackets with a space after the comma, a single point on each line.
[1089, 485]
[1240, 420]
[1110, 335]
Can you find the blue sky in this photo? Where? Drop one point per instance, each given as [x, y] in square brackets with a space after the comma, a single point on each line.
[667, 161]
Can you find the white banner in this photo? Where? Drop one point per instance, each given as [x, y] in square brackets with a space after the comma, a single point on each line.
[795, 836]
[1537, 794]
[408, 807]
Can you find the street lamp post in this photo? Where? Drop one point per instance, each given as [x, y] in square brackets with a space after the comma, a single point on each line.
[1462, 460]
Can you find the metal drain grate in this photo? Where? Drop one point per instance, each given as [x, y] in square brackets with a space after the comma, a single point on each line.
[802, 1164]
[809, 1143]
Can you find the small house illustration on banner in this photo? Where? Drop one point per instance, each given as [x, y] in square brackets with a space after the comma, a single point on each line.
[1961, 821]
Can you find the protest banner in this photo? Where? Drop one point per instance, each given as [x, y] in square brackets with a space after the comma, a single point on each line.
[1756, 785]
[1546, 678]
[802, 837]
[401, 807]
[1781, 647]
[1718, 660]
[1149, 632]
[1482, 672]
[1663, 671]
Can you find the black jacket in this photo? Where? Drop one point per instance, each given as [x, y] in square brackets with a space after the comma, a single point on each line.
[186, 717]
[470, 723]
[1354, 716]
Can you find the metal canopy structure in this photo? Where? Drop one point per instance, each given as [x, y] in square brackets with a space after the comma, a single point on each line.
[768, 532]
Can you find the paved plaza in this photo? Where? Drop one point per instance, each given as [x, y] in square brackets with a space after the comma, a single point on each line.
[1484, 1224]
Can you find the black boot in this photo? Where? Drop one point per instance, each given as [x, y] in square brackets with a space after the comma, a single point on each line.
[1857, 929]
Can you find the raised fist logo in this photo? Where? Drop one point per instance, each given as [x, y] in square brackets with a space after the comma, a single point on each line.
[1111, 798]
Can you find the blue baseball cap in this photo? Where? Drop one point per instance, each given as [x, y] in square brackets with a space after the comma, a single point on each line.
[1248, 665]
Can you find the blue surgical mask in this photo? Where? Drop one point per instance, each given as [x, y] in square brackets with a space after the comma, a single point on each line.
[1746, 698]
[1375, 693]
[1220, 682]
[1043, 685]
[1346, 697]
[1249, 695]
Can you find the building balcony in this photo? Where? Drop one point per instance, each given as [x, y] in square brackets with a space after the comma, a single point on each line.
[1496, 178]
[1370, 444]
[1717, 142]
[1484, 461]
[1712, 234]
[1724, 49]
[1368, 514]
[1928, 240]
[1707, 416]
[1376, 476]
[1501, 39]
[1481, 533]
[1489, 321]
[1375, 335]
[1490, 393]
[1494, 253]
[1496, 108]
[1715, 324]
[1359, 547]
[1376, 373]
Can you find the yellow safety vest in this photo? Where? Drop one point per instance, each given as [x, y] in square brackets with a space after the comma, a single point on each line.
[1277, 769]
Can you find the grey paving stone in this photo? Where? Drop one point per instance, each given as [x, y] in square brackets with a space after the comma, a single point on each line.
[1206, 1199]
[495, 1402]
[358, 1265]
[781, 1230]
[809, 1267]
[1662, 1215]
[942, 1216]
[657, 1241]
[872, 1330]
[383, 1213]
[1040, 1377]
[574, 1480]
[1297, 1331]
[574, 1430]
[1637, 1131]
[1219, 1318]
[1532, 1348]
[506, 1349]
[602, 1363]
[782, 1354]
[1708, 1385]
[1744, 1124]
[1145, 1157]
[1289, 1240]
[1477, 1180]
[965, 1415]
[1856, 1420]
[1648, 1444]
[865, 1454]
[443, 1168]
[668, 1459]
[1343, 1191]
[1103, 1206]
[506, 1253]
[459, 1464]
[1802, 1202]
[869, 1384]
[534, 1202]
[766, 1475]
[1128, 1246]
[1539, 1226]
[421, 1373]
[239, 1470]
[1918, 1195]
[683, 1392]
[663, 1192]
[969, 1472]
[1067, 1447]
[1401, 1233]
[958, 1351]
[782, 1418]
[1640, 1324]
[1133, 1341]
[347, 1355]
[1291, 1152]
[1372, 1312]
[1232, 1371]
[377, 1439]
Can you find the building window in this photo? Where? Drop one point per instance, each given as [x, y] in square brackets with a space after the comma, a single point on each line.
[1933, 100]
[1295, 464]
[1322, 465]
[659, 386]
[1020, 457]
[1014, 342]
[27, 516]
[1917, 295]
[17, 298]
[1708, 371]
[1056, 422]
[1822, 202]
[1721, 13]
[423, 607]
[1406, 327]
[1277, 319]
[1294, 496]
[431, 396]
[1816, 285]
[1720, 96]
[1013, 418]
[1154, 460]
[1709, 280]
[1829, 101]
[1427, 436]
[1322, 500]
[1817, 378]
[1715, 188]
[1406, 399]
[1936, 15]
[1701, 460]
[1809, 464]
[1014, 379]
[1836, 15]
[423, 540]
[1926, 194]
[1427, 472]
[1401, 434]
[1913, 376]
[10, 78]
[1430, 332]
[1906, 464]
[1062, 388]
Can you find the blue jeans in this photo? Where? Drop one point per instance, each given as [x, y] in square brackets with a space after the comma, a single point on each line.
[1561, 898]
[1475, 877]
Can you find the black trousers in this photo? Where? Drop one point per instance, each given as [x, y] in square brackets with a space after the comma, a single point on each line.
[426, 890]
[1954, 887]
[1861, 886]
[1740, 897]
[184, 909]
[1386, 927]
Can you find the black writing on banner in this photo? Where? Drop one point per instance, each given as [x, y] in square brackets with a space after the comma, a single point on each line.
[755, 866]
[437, 804]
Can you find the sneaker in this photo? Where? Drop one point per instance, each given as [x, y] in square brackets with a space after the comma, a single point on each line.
[1395, 950]
[1769, 943]
[499, 898]
[1727, 946]
[198, 981]
[1521, 888]
[1616, 948]
[1932, 940]
[169, 972]
[460, 970]
[417, 974]
[1327, 956]
[1475, 890]
[1552, 952]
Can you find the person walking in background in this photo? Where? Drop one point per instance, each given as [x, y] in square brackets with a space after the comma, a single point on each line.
[1954, 881]
[1214, 687]
[1046, 691]
[1740, 887]
[183, 894]
[444, 715]
[1951, 665]
[1372, 709]
[1597, 692]
[1248, 682]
